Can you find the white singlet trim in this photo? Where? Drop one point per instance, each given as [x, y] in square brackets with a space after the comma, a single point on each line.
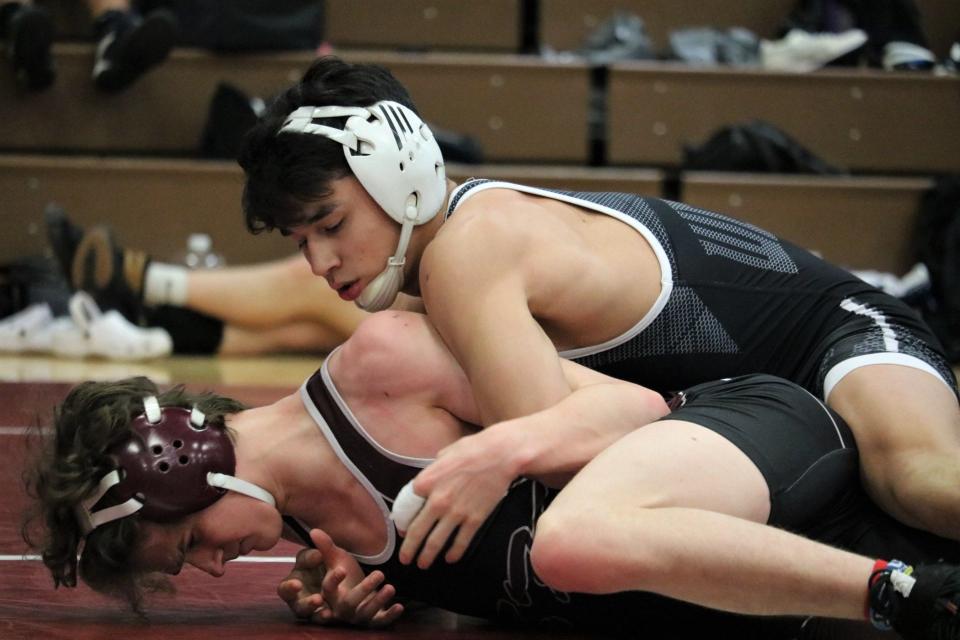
[841, 369]
[836, 427]
[410, 461]
[891, 356]
[666, 271]
[387, 551]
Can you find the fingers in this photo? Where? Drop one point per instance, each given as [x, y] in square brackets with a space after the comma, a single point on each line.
[301, 603]
[437, 539]
[387, 617]
[366, 604]
[460, 545]
[322, 542]
[405, 507]
[308, 559]
[289, 590]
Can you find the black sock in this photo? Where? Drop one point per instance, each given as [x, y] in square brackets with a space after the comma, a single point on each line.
[193, 333]
[7, 9]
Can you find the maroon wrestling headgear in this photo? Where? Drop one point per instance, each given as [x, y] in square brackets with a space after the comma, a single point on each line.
[172, 465]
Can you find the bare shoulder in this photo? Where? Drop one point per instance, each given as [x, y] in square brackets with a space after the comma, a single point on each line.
[495, 228]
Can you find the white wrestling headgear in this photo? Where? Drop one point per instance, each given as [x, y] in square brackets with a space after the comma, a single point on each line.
[173, 464]
[394, 155]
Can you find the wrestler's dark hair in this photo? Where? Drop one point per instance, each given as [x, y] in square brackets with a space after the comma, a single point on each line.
[284, 173]
[67, 466]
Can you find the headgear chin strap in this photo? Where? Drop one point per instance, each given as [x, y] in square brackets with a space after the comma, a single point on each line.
[172, 465]
[397, 160]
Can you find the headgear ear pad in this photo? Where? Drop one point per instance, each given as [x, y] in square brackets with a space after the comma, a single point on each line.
[390, 150]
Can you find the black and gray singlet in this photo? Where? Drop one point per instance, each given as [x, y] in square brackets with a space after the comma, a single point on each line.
[736, 299]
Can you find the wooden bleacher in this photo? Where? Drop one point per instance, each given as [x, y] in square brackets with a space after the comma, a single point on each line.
[565, 24]
[489, 96]
[154, 203]
[130, 159]
[863, 120]
[427, 24]
[858, 222]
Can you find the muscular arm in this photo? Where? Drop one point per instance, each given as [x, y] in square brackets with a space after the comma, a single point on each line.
[553, 444]
[478, 295]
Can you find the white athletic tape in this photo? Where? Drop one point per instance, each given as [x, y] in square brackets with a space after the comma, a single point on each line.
[406, 507]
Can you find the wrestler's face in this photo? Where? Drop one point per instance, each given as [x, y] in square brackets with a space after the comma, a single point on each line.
[346, 237]
[233, 526]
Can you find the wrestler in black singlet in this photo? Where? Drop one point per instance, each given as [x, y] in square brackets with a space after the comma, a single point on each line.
[738, 300]
[804, 451]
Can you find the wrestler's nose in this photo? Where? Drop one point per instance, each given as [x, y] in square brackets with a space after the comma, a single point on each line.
[321, 258]
[209, 561]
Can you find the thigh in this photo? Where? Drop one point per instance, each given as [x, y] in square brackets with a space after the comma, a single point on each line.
[896, 408]
[670, 463]
[757, 447]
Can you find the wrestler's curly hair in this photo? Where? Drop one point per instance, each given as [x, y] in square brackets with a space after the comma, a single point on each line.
[67, 466]
[286, 172]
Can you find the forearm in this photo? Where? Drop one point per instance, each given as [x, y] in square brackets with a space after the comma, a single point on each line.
[556, 442]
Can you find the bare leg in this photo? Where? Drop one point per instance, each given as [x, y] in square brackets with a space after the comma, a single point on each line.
[99, 7]
[907, 426]
[676, 509]
[302, 337]
[271, 294]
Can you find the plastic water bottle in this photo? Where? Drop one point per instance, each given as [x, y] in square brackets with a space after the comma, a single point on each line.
[200, 254]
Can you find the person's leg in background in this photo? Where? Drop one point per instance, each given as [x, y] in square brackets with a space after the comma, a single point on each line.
[28, 33]
[272, 306]
[195, 333]
[128, 44]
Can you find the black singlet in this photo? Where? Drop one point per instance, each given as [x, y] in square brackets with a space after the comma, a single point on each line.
[502, 583]
[735, 300]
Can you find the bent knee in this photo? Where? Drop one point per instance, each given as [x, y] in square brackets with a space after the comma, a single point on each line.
[555, 555]
[571, 553]
[381, 338]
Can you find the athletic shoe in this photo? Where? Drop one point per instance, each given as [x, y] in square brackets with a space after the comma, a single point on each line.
[29, 38]
[918, 602]
[63, 236]
[803, 51]
[906, 56]
[130, 45]
[107, 335]
[112, 275]
[26, 330]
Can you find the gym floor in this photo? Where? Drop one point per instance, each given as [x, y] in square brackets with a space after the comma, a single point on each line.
[242, 604]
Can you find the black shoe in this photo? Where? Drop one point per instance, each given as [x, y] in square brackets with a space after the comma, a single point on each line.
[918, 602]
[129, 46]
[112, 275]
[29, 38]
[63, 236]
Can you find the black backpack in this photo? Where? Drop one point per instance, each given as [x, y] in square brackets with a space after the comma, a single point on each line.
[937, 245]
[755, 146]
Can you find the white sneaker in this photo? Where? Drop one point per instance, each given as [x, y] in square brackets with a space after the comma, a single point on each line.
[803, 51]
[25, 331]
[906, 56]
[108, 335]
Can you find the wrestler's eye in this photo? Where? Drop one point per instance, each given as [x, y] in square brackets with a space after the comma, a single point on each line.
[301, 244]
[331, 229]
